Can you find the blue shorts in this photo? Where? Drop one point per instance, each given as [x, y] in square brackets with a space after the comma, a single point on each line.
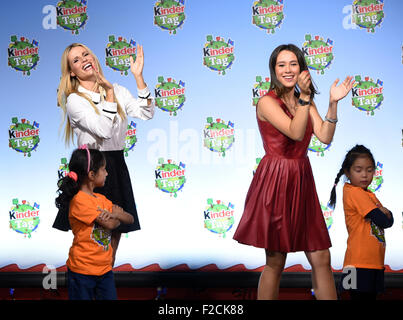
[87, 287]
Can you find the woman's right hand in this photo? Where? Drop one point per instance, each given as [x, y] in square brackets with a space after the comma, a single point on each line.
[304, 82]
[101, 80]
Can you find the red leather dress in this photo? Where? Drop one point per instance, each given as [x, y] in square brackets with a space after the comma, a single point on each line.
[282, 211]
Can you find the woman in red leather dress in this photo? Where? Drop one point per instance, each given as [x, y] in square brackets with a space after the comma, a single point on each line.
[282, 212]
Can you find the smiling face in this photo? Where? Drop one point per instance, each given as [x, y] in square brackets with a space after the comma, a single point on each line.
[81, 63]
[287, 68]
[361, 172]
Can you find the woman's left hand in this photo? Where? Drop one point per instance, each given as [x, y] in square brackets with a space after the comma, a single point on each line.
[136, 67]
[338, 92]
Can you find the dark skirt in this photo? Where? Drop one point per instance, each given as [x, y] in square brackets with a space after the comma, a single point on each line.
[117, 188]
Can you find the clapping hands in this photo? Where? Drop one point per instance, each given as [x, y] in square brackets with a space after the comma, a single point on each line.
[338, 92]
[304, 82]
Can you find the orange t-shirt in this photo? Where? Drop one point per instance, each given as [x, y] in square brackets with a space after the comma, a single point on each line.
[91, 252]
[366, 241]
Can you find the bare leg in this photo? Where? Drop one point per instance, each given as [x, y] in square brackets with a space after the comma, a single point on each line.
[115, 243]
[322, 275]
[269, 282]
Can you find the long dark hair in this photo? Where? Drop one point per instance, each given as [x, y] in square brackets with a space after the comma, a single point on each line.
[68, 186]
[358, 151]
[275, 83]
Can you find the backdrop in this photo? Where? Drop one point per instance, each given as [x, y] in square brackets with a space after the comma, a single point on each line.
[206, 63]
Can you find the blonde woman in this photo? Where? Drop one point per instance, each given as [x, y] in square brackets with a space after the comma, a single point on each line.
[95, 112]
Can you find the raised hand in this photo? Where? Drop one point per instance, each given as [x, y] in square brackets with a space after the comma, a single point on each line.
[136, 67]
[338, 92]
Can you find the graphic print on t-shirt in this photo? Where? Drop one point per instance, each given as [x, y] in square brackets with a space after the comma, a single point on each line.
[101, 236]
[378, 233]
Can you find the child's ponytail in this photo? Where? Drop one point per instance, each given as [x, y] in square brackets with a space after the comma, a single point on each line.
[332, 201]
[82, 161]
[67, 188]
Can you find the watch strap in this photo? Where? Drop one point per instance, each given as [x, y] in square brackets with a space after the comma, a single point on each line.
[303, 102]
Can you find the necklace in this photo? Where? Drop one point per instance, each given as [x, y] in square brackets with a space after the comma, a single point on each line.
[291, 107]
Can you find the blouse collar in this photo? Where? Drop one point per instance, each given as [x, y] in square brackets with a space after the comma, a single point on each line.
[95, 97]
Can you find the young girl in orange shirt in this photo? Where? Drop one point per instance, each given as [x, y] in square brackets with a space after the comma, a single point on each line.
[92, 217]
[365, 220]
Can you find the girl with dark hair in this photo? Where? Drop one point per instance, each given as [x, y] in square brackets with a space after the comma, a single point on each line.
[365, 220]
[282, 212]
[92, 218]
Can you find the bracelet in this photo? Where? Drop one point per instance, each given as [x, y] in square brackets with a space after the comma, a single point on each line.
[331, 120]
[303, 102]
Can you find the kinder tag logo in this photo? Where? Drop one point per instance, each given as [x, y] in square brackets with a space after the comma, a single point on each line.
[63, 169]
[218, 136]
[318, 53]
[23, 55]
[23, 137]
[169, 177]
[169, 95]
[367, 14]
[260, 89]
[218, 217]
[327, 214]
[169, 14]
[268, 14]
[72, 14]
[24, 218]
[118, 52]
[367, 95]
[318, 147]
[131, 139]
[377, 180]
[218, 55]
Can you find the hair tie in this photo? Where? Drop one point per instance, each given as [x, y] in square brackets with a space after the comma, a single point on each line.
[72, 175]
[85, 147]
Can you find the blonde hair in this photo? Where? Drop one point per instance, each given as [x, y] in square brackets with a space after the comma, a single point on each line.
[69, 84]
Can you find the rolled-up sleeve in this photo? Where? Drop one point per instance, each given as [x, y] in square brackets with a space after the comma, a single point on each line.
[82, 115]
[137, 108]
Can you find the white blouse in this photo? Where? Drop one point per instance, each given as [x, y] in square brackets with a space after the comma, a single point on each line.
[106, 131]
